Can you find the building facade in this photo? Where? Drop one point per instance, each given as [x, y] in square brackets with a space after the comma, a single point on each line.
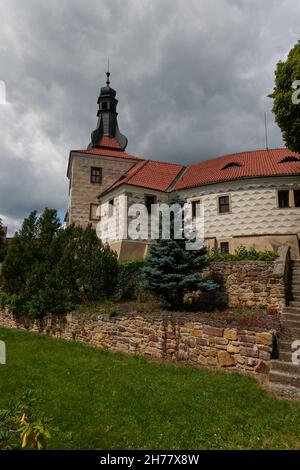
[248, 199]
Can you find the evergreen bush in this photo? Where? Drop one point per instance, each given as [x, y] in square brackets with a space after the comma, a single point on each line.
[48, 269]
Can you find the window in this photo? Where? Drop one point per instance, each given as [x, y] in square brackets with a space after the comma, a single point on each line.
[290, 160]
[297, 197]
[224, 204]
[224, 246]
[93, 212]
[96, 175]
[149, 201]
[283, 199]
[104, 105]
[232, 165]
[195, 204]
[111, 207]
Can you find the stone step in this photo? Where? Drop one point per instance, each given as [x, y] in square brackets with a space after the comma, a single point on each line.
[285, 356]
[290, 316]
[294, 304]
[291, 310]
[284, 378]
[285, 367]
[291, 324]
[284, 390]
[285, 346]
[292, 332]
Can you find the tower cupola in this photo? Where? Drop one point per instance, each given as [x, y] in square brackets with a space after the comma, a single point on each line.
[107, 125]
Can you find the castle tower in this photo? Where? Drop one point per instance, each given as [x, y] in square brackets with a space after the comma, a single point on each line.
[93, 170]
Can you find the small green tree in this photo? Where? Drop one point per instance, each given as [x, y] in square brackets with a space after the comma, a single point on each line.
[171, 271]
[287, 114]
[48, 269]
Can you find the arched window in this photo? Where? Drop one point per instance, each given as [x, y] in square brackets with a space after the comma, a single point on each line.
[290, 159]
[232, 165]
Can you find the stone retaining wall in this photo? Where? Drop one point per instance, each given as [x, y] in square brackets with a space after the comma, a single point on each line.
[178, 340]
[253, 284]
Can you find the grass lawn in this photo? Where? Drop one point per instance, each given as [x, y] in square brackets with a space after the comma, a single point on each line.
[100, 400]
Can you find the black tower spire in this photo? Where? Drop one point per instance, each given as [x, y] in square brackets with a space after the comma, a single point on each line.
[107, 117]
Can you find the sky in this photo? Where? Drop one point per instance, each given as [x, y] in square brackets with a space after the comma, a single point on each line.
[192, 79]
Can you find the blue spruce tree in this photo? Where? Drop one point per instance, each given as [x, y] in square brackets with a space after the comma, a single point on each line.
[171, 271]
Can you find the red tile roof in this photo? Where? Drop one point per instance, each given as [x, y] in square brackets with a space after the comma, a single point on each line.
[251, 164]
[107, 141]
[149, 174]
[108, 152]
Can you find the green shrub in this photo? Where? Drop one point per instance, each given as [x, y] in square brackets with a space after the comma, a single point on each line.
[49, 270]
[242, 254]
[20, 428]
[128, 279]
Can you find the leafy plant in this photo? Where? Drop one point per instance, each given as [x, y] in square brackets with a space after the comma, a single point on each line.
[243, 254]
[20, 428]
[128, 279]
[287, 114]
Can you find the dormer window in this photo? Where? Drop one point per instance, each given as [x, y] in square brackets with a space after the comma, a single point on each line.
[231, 165]
[290, 159]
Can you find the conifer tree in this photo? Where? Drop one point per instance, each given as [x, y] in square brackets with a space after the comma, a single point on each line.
[171, 271]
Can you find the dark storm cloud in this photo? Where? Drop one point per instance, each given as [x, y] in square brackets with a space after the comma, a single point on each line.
[192, 78]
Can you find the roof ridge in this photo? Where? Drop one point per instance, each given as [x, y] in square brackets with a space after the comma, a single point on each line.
[167, 163]
[240, 153]
[137, 167]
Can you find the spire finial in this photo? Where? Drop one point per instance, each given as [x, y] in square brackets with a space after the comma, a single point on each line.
[108, 73]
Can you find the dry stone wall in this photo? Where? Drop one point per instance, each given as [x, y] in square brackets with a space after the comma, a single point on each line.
[254, 284]
[162, 339]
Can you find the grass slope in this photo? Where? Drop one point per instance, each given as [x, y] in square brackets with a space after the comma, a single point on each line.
[101, 400]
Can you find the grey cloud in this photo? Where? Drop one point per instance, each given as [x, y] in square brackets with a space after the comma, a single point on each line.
[192, 78]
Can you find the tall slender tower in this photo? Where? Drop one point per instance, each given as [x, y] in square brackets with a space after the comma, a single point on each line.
[107, 125]
[93, 170]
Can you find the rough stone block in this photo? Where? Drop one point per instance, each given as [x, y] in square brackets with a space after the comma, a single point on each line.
[225, 359]
[264, 338]
[213, 331]
[230, 334]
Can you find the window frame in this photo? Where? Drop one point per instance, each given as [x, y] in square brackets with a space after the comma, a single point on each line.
[145, 201]
[283, 190]
[222, 243]
[219, 205]
[96, 168]
[294, 198]
[111, 206]
[91, 218]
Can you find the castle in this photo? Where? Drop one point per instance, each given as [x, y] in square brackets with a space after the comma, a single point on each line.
[248, 199]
